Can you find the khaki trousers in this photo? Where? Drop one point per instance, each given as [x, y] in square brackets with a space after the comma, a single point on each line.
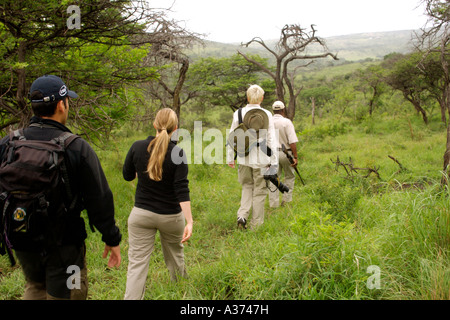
[254, 193]
[289, 180]
[142, 228]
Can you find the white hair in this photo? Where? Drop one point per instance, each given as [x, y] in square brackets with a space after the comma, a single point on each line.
[255, 94]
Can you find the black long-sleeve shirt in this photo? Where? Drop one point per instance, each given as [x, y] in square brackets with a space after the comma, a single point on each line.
[87, 180]
[163, 196]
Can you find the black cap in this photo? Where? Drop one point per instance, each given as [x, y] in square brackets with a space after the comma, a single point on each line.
[52, 88]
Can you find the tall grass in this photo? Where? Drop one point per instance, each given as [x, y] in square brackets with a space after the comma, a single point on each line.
[319, 246]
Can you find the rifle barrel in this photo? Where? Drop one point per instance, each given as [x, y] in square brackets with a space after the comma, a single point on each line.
[291, 160]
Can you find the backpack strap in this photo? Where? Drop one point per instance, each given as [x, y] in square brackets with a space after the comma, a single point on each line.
[64, 140]
[42, 125]
[17, 135]
[240, 115]
[13, 136]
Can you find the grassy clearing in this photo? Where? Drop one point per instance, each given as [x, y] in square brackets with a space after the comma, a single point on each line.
[321, 245]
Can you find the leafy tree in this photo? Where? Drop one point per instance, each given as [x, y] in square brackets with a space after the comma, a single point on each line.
[435, 41]
[105, 79]
[317, 96]
[98, 58]
[321, 94]
[224, 81]
[404, 75]
[344, 97]
[433, 76]
[372, 85]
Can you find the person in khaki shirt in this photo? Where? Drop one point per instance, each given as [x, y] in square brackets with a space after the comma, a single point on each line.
[287, 137]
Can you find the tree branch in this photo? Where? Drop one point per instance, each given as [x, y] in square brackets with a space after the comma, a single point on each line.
[261, 42]
[261, 66]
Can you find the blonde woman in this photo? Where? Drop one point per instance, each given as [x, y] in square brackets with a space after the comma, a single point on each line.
[162, 202]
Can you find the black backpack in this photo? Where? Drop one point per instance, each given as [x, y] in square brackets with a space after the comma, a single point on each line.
[34, 193]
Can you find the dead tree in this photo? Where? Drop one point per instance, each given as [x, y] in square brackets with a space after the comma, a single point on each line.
[402, 168]
[351, 170]
[292, 46]
[168, 56]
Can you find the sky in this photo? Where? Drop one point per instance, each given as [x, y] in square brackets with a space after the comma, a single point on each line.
[232, 21]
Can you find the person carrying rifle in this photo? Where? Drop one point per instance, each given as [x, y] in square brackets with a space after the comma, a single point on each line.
[253, 167]
[288, 139]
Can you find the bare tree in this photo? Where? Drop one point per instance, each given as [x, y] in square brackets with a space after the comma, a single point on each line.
[292, 46]
[168, 55]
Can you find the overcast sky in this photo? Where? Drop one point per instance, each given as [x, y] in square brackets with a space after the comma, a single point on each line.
[240, 20]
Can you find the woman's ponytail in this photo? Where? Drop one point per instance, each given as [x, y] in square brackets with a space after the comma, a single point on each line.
[165, 124]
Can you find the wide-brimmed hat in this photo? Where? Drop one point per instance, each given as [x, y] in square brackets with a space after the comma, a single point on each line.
[245, 137]
[256, 119]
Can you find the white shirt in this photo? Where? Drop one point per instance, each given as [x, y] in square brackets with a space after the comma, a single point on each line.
[285, 129]
[256, 158]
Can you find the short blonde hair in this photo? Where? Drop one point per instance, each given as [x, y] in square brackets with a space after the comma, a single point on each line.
[255, 94]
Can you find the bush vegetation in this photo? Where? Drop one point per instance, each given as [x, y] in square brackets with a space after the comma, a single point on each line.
[319, 246]
[339, 227]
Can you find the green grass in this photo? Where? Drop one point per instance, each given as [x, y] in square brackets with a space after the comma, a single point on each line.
[317, 247]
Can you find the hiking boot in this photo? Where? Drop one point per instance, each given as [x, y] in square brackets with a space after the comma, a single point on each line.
[242, 222]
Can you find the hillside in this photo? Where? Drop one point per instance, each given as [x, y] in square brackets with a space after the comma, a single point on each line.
[352, 47]
[371, 45]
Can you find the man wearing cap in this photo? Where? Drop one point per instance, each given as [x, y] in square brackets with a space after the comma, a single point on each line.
[47, 272]
[253, 166]
[288, 138]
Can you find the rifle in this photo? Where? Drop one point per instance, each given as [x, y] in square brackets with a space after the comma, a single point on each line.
[291, 160]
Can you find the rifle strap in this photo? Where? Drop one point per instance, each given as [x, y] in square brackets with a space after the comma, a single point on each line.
[239, 122]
